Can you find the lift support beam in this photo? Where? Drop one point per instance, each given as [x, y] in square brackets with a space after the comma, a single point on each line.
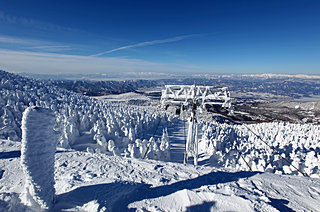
[191, 96]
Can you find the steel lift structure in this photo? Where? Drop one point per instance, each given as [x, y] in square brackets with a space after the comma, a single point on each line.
[191, 98]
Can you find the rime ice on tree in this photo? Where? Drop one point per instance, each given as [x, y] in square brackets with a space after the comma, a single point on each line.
[38, 147]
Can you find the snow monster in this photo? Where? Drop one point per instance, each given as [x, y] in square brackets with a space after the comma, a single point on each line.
[39, 141]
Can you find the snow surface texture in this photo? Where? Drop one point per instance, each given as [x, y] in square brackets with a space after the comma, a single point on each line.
[38, 148]
[99, 182]
[298, 143]
[97, 179]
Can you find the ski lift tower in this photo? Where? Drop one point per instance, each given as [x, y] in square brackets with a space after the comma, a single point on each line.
[193, 97]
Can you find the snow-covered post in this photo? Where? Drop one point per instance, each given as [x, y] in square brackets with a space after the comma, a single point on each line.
[38, 148]
[192, 140]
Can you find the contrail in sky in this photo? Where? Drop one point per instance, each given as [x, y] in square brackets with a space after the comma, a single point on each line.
[146, 43]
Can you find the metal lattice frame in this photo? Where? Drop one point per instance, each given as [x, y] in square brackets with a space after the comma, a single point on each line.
[195, 96]
[201, 95]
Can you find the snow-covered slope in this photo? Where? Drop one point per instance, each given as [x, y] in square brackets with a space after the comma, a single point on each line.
[88, 124]
[91, 173]
[83, 122]
[98, 182]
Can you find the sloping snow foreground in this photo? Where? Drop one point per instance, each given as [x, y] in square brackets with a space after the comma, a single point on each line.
[98, 182]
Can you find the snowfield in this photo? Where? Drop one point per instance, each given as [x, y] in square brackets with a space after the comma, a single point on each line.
[98, 182]
[116, 157]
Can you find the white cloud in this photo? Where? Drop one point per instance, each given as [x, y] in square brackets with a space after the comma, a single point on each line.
[52, 63]
[38, 45]
[147, 43]
[23, 21]
[7, 19]
[15, 40]
[52, 48]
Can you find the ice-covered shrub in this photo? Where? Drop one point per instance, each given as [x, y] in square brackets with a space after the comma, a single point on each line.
[79, 119]
[153, 149]
[298, 143]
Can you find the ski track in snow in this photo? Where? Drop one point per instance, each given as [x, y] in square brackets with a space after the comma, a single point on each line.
[177, 138]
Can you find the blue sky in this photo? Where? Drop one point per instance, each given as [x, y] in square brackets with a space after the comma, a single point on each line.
[163, 36]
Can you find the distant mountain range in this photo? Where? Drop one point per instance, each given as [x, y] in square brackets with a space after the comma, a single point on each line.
[240, 86]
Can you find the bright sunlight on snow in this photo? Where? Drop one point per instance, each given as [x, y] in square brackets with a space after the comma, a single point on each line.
[113, 156]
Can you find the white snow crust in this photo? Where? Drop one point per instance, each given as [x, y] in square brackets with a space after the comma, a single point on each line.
[99, 182]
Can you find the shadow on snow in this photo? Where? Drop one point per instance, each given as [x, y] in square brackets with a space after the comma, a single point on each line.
[118, 195]
[280, 204]
[17, 154]
[205, 206]
[8, 155]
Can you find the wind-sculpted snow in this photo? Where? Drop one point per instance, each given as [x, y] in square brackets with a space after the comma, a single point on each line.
[84, 123]
[38, 148]
[297, 143]
[99, 182]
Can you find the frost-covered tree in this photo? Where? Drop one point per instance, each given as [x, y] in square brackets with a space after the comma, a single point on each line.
[297, 143]
[76, 115]
[165, 145]
[38, 147]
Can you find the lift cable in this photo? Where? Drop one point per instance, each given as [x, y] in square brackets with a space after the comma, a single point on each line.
[241, 155]
[276, 151]
[154, 133]
[170, 94]
[185, 138]
[265, 142]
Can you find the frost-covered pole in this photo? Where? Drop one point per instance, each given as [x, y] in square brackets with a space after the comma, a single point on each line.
[195, 133]
[192, 139]
[38, 148]
[196, 97]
